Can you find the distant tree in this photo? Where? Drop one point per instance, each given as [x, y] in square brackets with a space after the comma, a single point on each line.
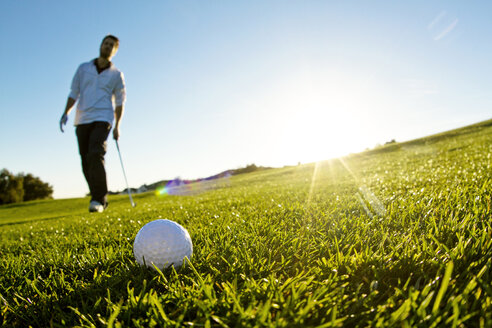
[11, 187]
[34, 188]
[390, 142]
[249, 168]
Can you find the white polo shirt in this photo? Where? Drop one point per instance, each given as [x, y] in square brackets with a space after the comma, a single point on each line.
[97, 94]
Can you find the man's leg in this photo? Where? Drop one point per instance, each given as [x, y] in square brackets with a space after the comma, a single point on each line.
[83, 136]
[95, 159]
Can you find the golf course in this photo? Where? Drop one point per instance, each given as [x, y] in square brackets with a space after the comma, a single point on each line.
[396, 236]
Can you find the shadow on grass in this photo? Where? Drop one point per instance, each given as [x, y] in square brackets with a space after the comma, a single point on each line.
[94, 302]
[33, 220]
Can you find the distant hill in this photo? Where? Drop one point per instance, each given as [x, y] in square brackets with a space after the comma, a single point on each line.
[151, 187]
[387, 147]
[393, 145]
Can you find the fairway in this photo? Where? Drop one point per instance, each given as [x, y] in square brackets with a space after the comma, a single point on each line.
[398, 236]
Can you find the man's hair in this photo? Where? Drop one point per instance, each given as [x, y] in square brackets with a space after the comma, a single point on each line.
[110, 36]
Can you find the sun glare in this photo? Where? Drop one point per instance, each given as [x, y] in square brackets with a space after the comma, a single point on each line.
[321, 119]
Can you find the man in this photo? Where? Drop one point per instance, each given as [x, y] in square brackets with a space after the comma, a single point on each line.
[99, 88]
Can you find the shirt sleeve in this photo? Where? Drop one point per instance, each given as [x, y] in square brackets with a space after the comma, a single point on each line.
[75, 88]
[120, 91]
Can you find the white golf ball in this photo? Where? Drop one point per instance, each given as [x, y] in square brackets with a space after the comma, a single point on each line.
[162, 243]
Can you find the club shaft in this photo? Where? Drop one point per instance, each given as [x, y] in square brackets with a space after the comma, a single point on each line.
[124, 174]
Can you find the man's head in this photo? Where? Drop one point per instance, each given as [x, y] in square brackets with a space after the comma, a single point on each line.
[109, 47]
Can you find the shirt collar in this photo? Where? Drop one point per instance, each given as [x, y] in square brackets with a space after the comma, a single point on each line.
[99, 70]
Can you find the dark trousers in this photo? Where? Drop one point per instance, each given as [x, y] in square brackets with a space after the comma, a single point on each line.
[92, 148]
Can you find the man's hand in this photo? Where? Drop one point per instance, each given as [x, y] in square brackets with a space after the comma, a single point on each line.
[63, 121]
[118, 114]
[116, 132]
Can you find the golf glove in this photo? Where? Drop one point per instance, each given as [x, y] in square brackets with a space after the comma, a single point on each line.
[63, 121]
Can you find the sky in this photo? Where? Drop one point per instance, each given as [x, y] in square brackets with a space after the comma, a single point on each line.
[217, 85]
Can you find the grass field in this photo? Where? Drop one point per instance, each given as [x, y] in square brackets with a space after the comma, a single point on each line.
[396, 236]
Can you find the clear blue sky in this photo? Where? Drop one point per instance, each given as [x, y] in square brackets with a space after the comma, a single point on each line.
[215, 85]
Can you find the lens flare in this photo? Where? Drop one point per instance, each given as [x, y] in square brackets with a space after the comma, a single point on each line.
[178, 187]
[368, 200]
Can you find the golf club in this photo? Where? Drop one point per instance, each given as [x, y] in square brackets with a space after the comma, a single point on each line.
[124, 174]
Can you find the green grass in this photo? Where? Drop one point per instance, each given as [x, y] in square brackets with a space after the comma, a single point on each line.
[399, 236]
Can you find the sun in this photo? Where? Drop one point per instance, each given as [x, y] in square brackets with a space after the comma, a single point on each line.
[318, 119]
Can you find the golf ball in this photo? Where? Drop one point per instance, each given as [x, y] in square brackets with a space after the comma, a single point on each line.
[162, 243]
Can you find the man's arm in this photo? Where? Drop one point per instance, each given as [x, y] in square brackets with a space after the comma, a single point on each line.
[72, 98]
[118, 114]
[120, 97]
[68, 108]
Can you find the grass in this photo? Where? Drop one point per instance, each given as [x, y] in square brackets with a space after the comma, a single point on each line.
[400, 236]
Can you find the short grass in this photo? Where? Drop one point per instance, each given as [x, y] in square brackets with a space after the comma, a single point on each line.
[400, 236]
